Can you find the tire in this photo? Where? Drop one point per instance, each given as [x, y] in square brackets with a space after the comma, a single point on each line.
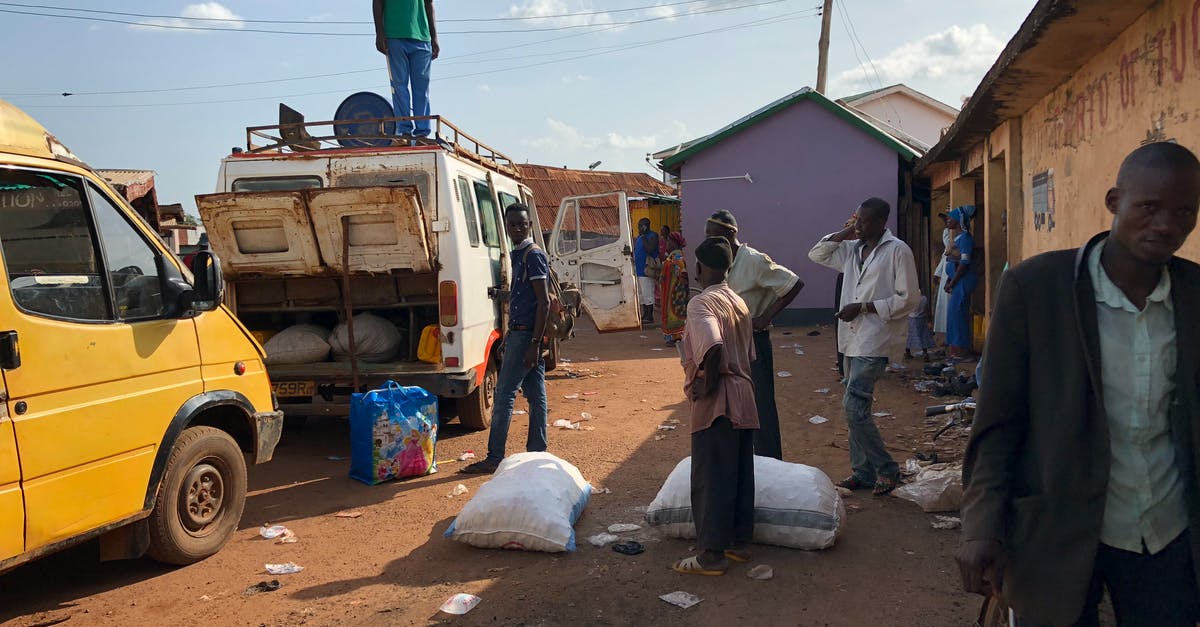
[475, 409]
[200, 499]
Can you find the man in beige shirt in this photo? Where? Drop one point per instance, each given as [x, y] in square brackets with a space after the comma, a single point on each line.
[717, 351]
[767, 288]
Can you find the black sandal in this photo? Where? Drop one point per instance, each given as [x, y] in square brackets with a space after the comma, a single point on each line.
[854, 483]
[485, 467]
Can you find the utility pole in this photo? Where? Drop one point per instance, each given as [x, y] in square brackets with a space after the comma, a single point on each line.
[823, 46]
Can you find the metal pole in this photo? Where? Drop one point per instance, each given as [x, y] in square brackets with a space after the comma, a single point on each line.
[823, 46]
[347, 300]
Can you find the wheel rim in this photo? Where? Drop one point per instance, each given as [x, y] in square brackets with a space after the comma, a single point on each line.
[489, 388]
[202, 498]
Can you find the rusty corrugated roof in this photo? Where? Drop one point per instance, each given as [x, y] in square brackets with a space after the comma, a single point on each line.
[550, 185]
[127, 177]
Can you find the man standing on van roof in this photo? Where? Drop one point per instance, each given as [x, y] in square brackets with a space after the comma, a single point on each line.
[767, 288]
[405, 31]
[522, 366]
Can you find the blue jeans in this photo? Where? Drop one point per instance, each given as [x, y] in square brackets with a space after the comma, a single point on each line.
[868, 454]
[409, 61]
[531, 381]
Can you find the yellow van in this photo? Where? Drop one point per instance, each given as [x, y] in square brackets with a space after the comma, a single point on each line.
[129, 396]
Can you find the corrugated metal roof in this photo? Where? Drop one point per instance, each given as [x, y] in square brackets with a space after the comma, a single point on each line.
[127, 177]
[550, 185]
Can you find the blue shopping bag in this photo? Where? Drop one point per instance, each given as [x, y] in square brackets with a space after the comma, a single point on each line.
[393, 433]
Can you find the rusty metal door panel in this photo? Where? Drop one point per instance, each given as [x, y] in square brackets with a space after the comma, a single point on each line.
[590, 247]
[261, 232]
[387, 228]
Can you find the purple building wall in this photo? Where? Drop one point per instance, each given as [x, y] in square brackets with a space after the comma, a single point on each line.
[811, 170]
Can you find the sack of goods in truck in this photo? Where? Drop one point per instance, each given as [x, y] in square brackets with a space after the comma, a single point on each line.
[796, 506]
[298, 344]
[531, 503]
[376, 339]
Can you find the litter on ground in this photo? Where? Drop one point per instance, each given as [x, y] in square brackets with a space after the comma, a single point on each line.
[681, 599]
[270, 533]
[601, 540]
[570, 397]
[818, 420]
[460, 604]
[262, 586]
[666, 427]
[284, 569]
[629, 547]
[623, 528]
[458, 490]
[946, 522]
[348, 514]
[822, 391]
[762, 572]
[466, 456]
[583, 415]
[783, 374]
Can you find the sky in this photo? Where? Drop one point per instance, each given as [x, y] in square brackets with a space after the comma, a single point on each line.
[568, 82]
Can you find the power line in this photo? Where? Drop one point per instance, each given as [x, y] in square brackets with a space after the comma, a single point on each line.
[459, 59]
[785, 17]
[850, 20]
[351, 22]
[232, 29]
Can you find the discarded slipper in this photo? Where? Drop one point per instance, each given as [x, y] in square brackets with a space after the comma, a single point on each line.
[262, 586]
[629, 547]
[691, 566]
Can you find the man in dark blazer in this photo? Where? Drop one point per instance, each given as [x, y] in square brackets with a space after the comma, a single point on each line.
[1081, 473]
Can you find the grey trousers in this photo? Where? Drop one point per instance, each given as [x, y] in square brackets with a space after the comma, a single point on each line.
[869, 456]
[723, 486]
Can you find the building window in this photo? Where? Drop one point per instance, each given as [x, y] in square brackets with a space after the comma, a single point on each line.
[1043, 201]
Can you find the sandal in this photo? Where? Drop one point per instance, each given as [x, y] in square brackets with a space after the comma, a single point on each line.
[883, 485]
[691, 566]
[485, 467]
[740, 556]
[854, 483]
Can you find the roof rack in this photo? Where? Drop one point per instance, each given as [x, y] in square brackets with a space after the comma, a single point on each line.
[308, 137]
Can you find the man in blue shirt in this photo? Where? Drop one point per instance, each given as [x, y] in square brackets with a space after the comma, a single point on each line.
[645, 250]
[522, 366]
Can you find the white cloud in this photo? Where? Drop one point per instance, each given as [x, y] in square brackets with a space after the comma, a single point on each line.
[578, 78]
[661, 11]
[544, 8]
[953, 55]
[566, 144]
[203, 14]
[641, 143]
[485, 88]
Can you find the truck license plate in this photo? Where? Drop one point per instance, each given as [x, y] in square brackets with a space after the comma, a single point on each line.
[286, 389]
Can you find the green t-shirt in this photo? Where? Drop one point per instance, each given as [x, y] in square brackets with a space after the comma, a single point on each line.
[405, 19]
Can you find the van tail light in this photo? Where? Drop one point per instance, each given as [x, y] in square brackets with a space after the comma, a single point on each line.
[448, 303]
[451, 362]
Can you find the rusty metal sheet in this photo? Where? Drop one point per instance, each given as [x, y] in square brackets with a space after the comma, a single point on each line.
[387, 228]
[261, 233]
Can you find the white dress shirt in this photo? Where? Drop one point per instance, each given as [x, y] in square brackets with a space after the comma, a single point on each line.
[887, 278]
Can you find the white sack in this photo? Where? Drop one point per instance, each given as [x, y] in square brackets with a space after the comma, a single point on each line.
[298, 344]
[531, 503]
[937, 488]
[376, 339]
[796, 506]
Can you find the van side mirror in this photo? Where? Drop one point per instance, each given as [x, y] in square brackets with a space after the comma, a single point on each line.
[209, 287]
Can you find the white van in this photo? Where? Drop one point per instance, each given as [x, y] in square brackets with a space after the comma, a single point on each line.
[311, 228]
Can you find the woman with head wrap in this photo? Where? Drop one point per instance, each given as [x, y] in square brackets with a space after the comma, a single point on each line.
[942, 274]
[961, 284]
[674, 288]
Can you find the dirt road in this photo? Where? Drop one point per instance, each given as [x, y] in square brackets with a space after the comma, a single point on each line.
[393, 567]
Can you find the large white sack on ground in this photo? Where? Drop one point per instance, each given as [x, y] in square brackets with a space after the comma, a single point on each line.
[298, 344]
[796, 506]
[531, 503]
[376, 340]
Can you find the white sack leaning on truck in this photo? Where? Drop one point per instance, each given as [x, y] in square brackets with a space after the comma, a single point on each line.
[796, 506]
[298, 344]
[376, 340]
[531, 503]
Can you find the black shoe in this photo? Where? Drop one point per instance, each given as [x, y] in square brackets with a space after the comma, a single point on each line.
[485, 467]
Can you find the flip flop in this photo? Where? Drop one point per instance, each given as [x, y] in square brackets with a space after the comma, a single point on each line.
[739, 556]
[691, 566]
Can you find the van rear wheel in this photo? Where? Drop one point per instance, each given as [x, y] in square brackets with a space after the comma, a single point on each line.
[200, 499]
[475, 409]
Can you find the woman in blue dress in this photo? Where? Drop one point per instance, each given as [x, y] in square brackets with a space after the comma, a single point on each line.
[961, 284]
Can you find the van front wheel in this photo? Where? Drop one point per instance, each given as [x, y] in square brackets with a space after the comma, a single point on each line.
[475, 409]
[201, 497]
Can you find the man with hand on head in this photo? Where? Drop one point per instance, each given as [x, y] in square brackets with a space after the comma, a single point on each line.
[767, 289]
[879, 292]
[1081, 473]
